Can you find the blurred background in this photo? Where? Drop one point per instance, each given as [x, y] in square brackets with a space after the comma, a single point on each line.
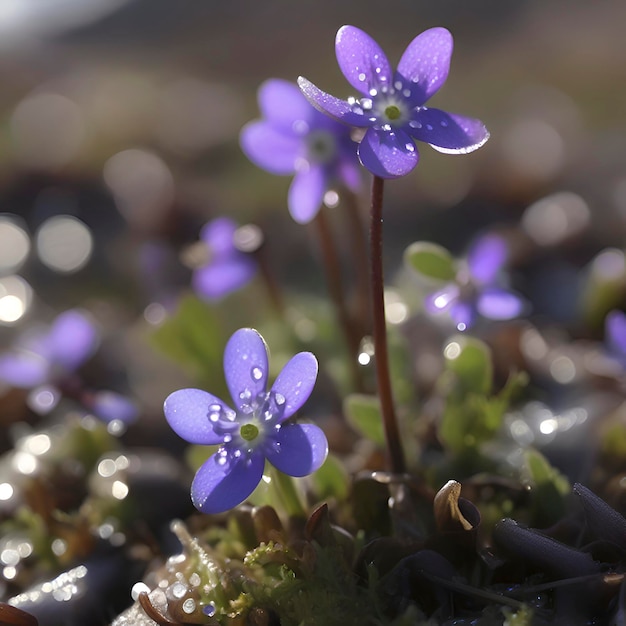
[120, 139]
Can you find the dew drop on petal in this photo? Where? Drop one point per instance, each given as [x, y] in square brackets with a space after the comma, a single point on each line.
[178, 590]
[189, 606]
[429, 127]
[246, 394]
[410, 147]
[362, 77]
[209, 609]
[406, 93]
[280, 399]
[398, 85]
[373, 92]
[444, 123]
[378, 70]
[366, 103]
[415, 124]
[256, 373]
[228, 438]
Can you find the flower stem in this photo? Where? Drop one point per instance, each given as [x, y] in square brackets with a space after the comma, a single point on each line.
[285, 490]
[332, 268]
[383, 378]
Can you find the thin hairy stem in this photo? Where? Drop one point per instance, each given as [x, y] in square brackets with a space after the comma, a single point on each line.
[383, 377]
[332, 269]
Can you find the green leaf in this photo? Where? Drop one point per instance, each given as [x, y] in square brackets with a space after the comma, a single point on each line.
[469, 359]
[331, 480]
[193, 337]
[548, 489]
[363, 414]
[430, 260]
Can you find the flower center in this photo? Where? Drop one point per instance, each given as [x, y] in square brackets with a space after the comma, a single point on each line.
[392, 112]
[249, 432]
[321, 146]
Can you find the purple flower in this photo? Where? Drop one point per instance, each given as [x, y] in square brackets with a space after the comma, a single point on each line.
[227, 268]
[391, 104]
[255, 430]
[294, 138]
[476, 288]
[51, 354]
[615, 333]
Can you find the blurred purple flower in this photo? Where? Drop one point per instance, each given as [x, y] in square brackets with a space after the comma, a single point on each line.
[476, 289]
[391, 106]
[255, 431]
[227, 268]
[50, 355]
[110, 406]
[294, 138]
[615, 335]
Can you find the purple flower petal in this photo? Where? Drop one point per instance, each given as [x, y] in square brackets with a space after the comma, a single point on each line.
[499, 304]
[246, 367]
[72, 339]
[445, 132]
[223, 482]
[109, 406]
[426, 63]
[388, 154]
[269, 148]
[218, 234]
[24, 369]
[301, 449]
[306, 193]
[462, 314]
[486, 257]
[615, 330]
[295, 382]
[282, 103]
[442, 299]
[187, 412]
[223, 276]
[361, 59]
[338, 109]
[349, 172]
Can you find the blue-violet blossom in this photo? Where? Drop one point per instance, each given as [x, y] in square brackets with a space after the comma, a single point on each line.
[47, 355]
[227, 268]
[391, 104]
[295, 138]
[476, 288]
[615, 336]
[256, 430]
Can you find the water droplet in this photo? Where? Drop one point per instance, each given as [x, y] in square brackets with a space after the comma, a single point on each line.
[398, 85]
[415, 124]
[410, 147]
[429, 127]
[195, 579]
[373, 92]
[214, 417]
[386, 127]
[280, 399]
[366, 103]
[189, 606]
[228, 438]
[351, 100]
[221, 460]
[444, 123]
[209, 609]
[215, 408]
[378, 70]
[237, 454]
[179, 590]
[362, 77]
[256, 373]
[406, 93]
